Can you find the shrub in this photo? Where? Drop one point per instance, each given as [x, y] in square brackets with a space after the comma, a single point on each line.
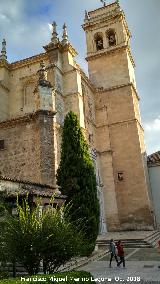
[29, 238]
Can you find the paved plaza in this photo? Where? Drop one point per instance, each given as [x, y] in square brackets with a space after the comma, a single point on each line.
[141, 267]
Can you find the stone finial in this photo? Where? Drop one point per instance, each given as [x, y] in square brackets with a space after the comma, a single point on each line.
[42, 76]
[3, 55]
[103, 2]
[54, 38]
[65, 35]
[86, 15]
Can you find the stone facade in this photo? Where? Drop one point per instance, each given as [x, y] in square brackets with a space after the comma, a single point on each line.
[28, 153]
[35, 97]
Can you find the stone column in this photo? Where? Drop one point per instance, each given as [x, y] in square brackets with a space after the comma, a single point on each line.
[45, 109]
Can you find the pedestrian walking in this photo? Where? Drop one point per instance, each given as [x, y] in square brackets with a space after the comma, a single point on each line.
[120, 250]
[112, 249]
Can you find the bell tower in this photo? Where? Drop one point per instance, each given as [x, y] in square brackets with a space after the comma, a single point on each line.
[108, 37]
[120, 136]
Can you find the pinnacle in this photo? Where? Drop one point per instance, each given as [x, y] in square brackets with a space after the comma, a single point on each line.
[65, 35]
[54, 38]
[3, 55]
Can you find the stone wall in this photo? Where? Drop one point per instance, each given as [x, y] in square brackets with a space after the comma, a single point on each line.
[4, 103]
[29, 148]
[131, 191]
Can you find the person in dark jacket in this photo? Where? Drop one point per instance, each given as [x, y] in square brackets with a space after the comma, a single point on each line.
[120, 250]
[112, 249]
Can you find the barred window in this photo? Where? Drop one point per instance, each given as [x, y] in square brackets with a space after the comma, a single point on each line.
[98, 37]
[120, 176]
[111, 35]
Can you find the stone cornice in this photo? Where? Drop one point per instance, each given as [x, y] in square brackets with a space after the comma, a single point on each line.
[101, 8]
[67, 47]
[125, 24]
[107, 15]
[130, 56]
[4, 87]
[25, 119]
[105, 52]
[133, 120]
[29, 60]
[111, 51]
[114, 88]
[91, 24]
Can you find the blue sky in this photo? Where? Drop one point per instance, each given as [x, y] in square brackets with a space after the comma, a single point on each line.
[25, 25]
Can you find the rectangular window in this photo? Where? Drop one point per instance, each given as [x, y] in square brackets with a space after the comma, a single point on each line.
[2, 145]
[120, 176]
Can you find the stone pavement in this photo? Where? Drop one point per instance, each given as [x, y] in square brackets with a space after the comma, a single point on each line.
[136, 271]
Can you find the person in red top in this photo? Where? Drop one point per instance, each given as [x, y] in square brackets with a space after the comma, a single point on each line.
[120, 253]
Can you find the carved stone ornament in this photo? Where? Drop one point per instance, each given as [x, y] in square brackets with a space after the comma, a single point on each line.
[3, 55]
[65, 35]
[103, 2]
[42, 76]
[54, 38]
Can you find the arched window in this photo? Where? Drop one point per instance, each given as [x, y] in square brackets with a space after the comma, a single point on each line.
[111, 36]
[99, 41]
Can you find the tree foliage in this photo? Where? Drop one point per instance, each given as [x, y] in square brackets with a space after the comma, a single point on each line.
[76, 177]
[30, 238]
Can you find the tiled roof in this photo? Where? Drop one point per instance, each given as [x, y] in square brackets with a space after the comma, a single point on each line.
[27, 187]
[25, 182]
[154, 158]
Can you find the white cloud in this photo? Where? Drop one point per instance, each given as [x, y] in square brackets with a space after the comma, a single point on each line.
[11, 9]
[153, 126]
[3, 17]
[152, 135]
[50, 27]
[26, 30]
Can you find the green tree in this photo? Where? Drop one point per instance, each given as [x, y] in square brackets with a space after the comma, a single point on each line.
[76, 178]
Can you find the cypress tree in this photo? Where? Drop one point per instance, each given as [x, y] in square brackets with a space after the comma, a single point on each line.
[77, 179]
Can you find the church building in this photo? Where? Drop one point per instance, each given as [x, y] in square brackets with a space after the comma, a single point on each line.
[37, 92]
